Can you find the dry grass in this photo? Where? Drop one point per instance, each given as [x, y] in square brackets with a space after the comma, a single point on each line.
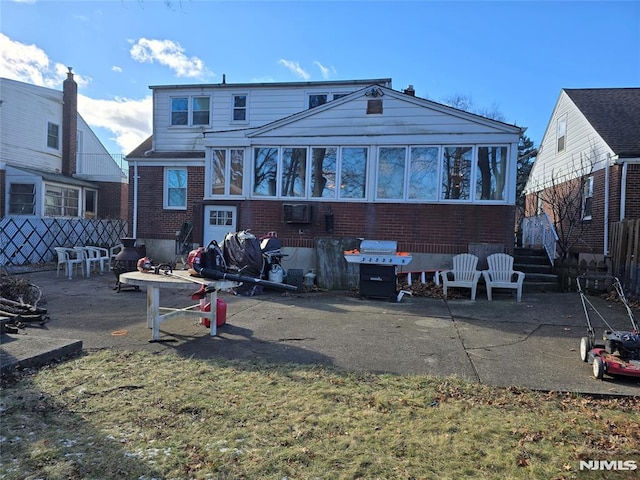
[121, 415]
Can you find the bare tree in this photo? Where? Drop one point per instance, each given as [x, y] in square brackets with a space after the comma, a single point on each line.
[563, 198]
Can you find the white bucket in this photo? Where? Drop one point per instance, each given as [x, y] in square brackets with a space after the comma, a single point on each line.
[276, 273]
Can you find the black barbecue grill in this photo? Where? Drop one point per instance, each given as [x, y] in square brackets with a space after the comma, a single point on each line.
[378, 260]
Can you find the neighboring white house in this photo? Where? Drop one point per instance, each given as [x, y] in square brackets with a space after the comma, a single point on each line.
[313, 160]
[51, 163]
[592, 140]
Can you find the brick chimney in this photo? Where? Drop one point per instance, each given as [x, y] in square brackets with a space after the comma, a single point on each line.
[409, 91]
[69, 124]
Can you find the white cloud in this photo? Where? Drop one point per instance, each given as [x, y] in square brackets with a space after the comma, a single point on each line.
[116, 68]
[128, 119]
[295, 68]
[169, 54]
[325, 71]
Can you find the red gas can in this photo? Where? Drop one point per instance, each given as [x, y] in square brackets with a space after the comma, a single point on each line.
[221, 313]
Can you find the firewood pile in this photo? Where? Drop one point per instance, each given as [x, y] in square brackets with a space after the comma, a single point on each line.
[19, 303]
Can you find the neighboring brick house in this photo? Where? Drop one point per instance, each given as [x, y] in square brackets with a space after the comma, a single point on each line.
[317, 160]
[51, 163]
[591, 147]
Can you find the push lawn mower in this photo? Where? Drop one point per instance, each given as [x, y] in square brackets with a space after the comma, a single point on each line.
[619, 352]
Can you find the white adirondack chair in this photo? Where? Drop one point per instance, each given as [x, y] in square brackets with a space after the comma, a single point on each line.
[502, 275]
[463, 274]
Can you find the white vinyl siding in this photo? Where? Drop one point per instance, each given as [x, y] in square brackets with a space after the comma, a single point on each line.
[582, 145]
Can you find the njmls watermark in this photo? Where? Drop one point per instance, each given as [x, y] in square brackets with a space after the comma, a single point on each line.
[608, 465]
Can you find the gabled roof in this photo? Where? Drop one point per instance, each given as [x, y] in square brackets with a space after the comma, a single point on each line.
[614, 113]
[445, 109]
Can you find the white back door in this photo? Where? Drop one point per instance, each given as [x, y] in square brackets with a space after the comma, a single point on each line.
[218, 221]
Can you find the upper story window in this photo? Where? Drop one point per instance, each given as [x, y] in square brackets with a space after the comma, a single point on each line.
[190, 111]
[175, 188]
[317, 99]
[61, 201]
[239, 113]
[200, 110]
[53, 136]
[561, 134]
[22, 199]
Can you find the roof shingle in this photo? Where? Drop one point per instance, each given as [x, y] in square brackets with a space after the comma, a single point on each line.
[614, 113]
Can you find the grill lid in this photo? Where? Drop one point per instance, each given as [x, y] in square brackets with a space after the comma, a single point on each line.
[379, 247]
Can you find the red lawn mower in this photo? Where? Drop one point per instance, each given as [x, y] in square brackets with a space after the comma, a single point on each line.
[619, 352]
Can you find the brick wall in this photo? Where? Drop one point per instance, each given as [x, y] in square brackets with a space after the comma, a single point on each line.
[113, 201]
[588, 235]
[418, 228]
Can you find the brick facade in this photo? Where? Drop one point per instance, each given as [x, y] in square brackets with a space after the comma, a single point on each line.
[588, 236]
[113, 200]
[418, 228]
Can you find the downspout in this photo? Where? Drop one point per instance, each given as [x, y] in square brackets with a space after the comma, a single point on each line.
[623, 190]
[606, 207]
[135, 198]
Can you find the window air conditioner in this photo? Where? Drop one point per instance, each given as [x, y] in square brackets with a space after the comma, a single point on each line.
[296, 213]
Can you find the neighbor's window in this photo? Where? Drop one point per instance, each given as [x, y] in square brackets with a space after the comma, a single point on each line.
[561, 133]
[294, 172]
[423, 173]
[22, 199]
[265, 171]
[227, 172]
[353, 172]
[587, 199]
[239, 108]
[456, 173]
[53, 136]
[175, 188]
[492, 173]
[391, 168]
[61, 201]
[180, 111]
[200, 114]
[323, 172]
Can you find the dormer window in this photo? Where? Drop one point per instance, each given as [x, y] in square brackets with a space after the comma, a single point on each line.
[190, 111]
[239, 108]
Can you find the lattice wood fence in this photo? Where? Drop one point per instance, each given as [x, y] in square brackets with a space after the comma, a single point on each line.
[625, 252]
[28, 241]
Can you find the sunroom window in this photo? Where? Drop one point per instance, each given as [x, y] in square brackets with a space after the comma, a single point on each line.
[294, 172]
[323, 172]
[22, 199]
[227, 172]
[391, 168]
[61, 201]
[423, 173]
[456, 173]
[492, 173]
[353, 172]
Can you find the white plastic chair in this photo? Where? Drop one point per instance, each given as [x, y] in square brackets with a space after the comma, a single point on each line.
[462, 275]
[69, 258]
[99, 256]
[502, 275]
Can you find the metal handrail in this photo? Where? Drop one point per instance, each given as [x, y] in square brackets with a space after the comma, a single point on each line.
[539, 231]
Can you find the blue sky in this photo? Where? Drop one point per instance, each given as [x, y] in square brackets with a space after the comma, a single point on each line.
[513, 56]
